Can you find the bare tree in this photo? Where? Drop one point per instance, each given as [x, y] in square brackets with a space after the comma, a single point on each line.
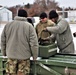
[44, 5]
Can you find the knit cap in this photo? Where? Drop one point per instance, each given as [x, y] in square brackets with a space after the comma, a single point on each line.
[22, 13]
[53, 14]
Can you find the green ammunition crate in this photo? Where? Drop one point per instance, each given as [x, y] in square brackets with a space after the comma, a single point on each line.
[47, 50]
[56, 65]
[2, 65]
[59, 64]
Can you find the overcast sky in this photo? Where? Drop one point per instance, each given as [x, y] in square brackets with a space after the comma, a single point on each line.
[67, 3]
[62, 3]
[14, 2]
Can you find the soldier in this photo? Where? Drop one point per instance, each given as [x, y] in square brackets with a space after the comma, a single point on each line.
[19, 42]
[43, 37]
[63, 33]
[29, 19]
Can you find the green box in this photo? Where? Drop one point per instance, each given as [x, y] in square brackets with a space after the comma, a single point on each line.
[47, 50]
[59, 64]
[2, 65]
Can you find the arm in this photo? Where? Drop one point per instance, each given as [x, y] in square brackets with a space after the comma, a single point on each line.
[33, 43]
[59, 28]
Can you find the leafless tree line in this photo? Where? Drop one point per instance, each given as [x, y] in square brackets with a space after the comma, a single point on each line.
[41, 6]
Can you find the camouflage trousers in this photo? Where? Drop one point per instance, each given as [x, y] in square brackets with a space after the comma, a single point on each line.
[17, 67]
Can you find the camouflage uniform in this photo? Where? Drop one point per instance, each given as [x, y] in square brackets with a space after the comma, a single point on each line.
[13, 66]
[40, 27]
[19, 42]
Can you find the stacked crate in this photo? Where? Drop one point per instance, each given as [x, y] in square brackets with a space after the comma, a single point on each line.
[2, 65]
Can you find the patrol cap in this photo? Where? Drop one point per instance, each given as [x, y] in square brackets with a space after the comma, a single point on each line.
[22, 13]
[53, 14]
[43, 15]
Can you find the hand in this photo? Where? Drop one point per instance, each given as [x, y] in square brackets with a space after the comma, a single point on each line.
[34, 59]
[46, 39]
[45, 29]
